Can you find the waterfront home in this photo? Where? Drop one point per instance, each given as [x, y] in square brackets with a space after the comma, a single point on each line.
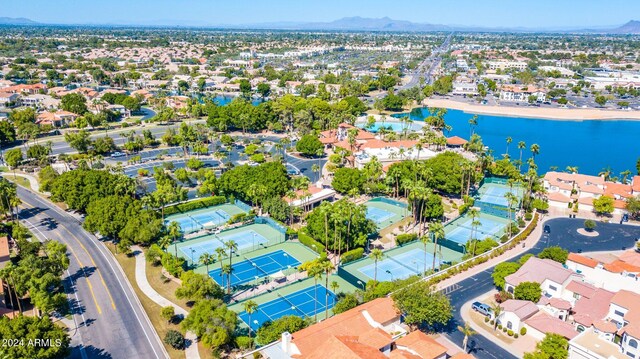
[521, 93]
[565, 188]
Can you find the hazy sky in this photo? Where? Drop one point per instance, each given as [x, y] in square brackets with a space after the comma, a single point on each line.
[494, 13]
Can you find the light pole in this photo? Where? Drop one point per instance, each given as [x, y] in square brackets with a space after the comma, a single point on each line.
[256, 286]
[253, 246]
[287, 256]
[192, 251]
[362, 284]
[391, 274]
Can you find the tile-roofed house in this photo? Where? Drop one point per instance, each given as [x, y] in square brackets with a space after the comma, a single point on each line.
[557, 307]
[614, 272]
[551, 275]
[543, 323]
[347, 347]
[514, 312]
[591, 307]
[5, 253]
[422, 345]
[456, 141]
[378, 313]
[588, 345]
[59, 118]
[635, 185]
[313, 194]
[586, 188]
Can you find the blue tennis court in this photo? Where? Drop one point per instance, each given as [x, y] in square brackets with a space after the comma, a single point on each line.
[260, 267]
[195, 251]
[302, 303]
[378, 215]
[399, 266]
[487, 228]
[187, 224]
[245, 239]
[496, 195]
[209, 219]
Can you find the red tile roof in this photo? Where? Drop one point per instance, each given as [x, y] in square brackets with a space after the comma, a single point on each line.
[456, 141]
[425, 346]
[588, 310]
[545, 323]
[345, 347]
[585, 261]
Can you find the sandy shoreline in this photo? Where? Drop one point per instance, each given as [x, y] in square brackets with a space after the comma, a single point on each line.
[579, 114]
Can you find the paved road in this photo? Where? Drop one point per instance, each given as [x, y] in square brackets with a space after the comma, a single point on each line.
[563, 233]
[432, 61]
[111, 322]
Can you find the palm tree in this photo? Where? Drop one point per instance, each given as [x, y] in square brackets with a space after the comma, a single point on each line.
[509, 140]
[316, 168]
[437, 229]
[376, 255]
[425, 240]
[473, 122]
[334, 286]
[473, 213]
[250, 307]
[521, 146]
[572, 169]
[326, 266]
[625, 174]
[206, 259]
[467, 331]
[496, 309]
[174, 231]
[227, 269]
[231, 246]
[535, 150]
[220, 254]
[164, 242]
[314, 269]
[605, 173]
[475, 225]
[512, 200]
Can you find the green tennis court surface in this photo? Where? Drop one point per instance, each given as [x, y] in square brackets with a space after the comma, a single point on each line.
[204, 218]
[385, 212]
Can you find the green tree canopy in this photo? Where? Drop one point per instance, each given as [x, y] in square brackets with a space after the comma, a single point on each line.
[309, 145]
[212, 322]
[603, 205]
[422, 306]
[553, 346]
[271, 331]
[33, 328]
[74, 102]
[530, 291]
[501, 271]
[346, 180]
[554, 253]
[196, 286]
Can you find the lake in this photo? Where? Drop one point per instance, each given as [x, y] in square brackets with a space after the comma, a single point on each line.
[591, 145]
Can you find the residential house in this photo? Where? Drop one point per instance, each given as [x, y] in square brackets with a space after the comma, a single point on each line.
[618, 274]
[371, 330]
[464, 88]
[521, 93]
[311, 196]
[8, 99]
[56, 119]
[552, 276]
[515, 312]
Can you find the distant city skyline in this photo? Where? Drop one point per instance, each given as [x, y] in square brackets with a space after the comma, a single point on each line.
[491, 13]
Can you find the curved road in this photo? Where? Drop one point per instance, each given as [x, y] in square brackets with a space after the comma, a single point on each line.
[612, 237]
[108, 318]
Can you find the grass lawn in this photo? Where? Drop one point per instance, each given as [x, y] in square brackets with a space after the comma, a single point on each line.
[21, 181]
[152, 309]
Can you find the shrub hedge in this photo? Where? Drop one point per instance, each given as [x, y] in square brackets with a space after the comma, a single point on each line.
[306, 239]
[197, 204]
[352, 255]
[405, 238]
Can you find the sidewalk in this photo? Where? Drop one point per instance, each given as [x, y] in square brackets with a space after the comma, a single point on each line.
[531, 241]
[191, 351]
[33, 182]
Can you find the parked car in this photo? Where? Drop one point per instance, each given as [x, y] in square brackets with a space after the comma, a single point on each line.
[117, 154]
[481, 308]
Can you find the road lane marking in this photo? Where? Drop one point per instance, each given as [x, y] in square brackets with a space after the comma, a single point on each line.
[100, 249]
[75, 294]
[95, 300]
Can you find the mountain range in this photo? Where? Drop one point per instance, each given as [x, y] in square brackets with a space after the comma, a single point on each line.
[355, 23]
